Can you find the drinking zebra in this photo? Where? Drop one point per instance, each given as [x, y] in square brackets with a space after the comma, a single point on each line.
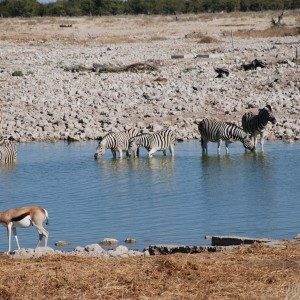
[115, 141]
[8, 151]
[256, 124]
[159, 141]
[215, 131]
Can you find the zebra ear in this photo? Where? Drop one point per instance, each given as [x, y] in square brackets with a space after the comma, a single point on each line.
[268, 106]
[100, 138]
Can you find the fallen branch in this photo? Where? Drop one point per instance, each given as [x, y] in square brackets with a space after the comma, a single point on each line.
[100, 68]
[109, 68]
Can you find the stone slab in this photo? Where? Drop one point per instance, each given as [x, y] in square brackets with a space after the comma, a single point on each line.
[234, 240]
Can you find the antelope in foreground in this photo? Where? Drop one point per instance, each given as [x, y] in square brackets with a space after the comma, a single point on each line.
[24, 217]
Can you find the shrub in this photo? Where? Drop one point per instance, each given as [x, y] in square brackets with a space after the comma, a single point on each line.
[17, 73]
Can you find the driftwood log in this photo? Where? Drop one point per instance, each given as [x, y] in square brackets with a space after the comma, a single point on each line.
[100, 68]
[109, 68]
[254, 64]
[78, 68]
[65, 25]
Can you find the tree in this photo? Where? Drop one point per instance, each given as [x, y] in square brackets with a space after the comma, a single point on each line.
[87, 7]
[25, 8]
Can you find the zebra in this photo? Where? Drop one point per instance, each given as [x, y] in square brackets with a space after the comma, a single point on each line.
[215, 131]
[8, 150]
[116, 141]
[256, 124]
[159, 141]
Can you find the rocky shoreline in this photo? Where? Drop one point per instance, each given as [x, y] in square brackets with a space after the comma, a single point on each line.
[218, 244]
[50, 102]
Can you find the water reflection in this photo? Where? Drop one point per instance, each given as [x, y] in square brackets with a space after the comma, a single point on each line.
[8, 166]
[153, 164]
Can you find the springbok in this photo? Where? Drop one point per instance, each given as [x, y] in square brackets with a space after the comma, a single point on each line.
[24, 217]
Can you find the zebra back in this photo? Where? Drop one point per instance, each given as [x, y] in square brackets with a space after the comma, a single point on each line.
[8, 150]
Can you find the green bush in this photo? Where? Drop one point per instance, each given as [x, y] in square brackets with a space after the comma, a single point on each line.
[17, 73]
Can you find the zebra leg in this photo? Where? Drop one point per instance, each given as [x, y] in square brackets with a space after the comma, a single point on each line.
[121, 153]
[219, 146]
[171, 148]
[204, 145]
[262, 141]
[255, 140]
[151, 152]
[165, 152]
[114, 153]
[227, 142]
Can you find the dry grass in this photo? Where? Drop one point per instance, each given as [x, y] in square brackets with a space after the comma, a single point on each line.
[270, 32]
[135, 29]
[248, 273]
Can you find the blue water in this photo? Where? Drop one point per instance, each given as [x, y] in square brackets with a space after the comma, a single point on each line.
[156, 200]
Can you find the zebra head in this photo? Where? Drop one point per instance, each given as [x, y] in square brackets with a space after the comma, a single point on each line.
[6, 139]
[132, 146]
[248, 143]
[267, 113]
[100, 150]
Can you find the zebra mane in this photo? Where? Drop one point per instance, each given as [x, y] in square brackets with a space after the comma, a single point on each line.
[140, 135]
[231, 123]
[248, 115]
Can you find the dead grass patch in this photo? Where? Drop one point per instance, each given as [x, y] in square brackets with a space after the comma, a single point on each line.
[270, 32]
[205, 39]
[253, 272]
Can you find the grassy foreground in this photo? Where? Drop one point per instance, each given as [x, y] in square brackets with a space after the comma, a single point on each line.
[254, 272]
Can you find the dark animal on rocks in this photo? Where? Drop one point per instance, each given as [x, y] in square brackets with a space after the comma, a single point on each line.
[222, 72]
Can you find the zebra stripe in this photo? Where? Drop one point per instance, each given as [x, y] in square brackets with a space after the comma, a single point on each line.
[116, 141]
[8, 151]
[256, 124]
[215, 131]
[153, 142]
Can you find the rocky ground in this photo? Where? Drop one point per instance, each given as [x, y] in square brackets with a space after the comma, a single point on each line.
[50, 102]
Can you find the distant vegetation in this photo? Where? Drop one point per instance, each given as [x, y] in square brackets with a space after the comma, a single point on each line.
[28, 8]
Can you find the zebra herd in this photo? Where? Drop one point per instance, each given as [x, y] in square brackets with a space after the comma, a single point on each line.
[211, 130]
